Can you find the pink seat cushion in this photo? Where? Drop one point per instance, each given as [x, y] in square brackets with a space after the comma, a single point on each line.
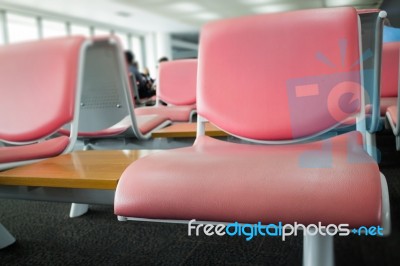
[392, 110]
[108, 132]
[147, 123]
[114, 130]
[174, 113]
[45, 149]
[221, 181]
[386, 102]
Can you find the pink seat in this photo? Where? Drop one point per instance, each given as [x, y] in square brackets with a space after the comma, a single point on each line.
[176, 87]
[149, 123]
[40, 150]
[30, 111]
[145, 124]
[390, 69]
[39, 88]
[106, 107]
[389, 85]
[268, 182]
[390, 75]
[386, 102]
[115, 130]
[175, 113]
[328, 182]
[392, 113]
[177, 82]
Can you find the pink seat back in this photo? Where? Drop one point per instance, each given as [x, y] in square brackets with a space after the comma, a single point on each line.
[390, 69]
[177, 81]
[37, 87]
[368, 10]
[280, 76]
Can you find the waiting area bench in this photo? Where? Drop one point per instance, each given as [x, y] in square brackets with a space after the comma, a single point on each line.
[86, 177]
[187, 130]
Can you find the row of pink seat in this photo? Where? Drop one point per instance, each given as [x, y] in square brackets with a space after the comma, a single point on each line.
[296, 89]
[75, 88]
[79, 87]
[137, 122]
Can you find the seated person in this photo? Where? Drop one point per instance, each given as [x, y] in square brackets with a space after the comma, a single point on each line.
[145, 86]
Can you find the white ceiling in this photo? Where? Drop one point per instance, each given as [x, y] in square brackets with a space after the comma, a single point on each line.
[170, 15]
[197, 12]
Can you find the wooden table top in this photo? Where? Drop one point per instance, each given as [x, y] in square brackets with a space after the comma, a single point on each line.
[94, 169]
[187, 130]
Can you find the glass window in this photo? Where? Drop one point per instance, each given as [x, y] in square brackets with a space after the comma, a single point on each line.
[80, 30]
[21, 28]
[53, 29]
[137, 50]
[101, 32]
[2, 29]
[123, 39]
